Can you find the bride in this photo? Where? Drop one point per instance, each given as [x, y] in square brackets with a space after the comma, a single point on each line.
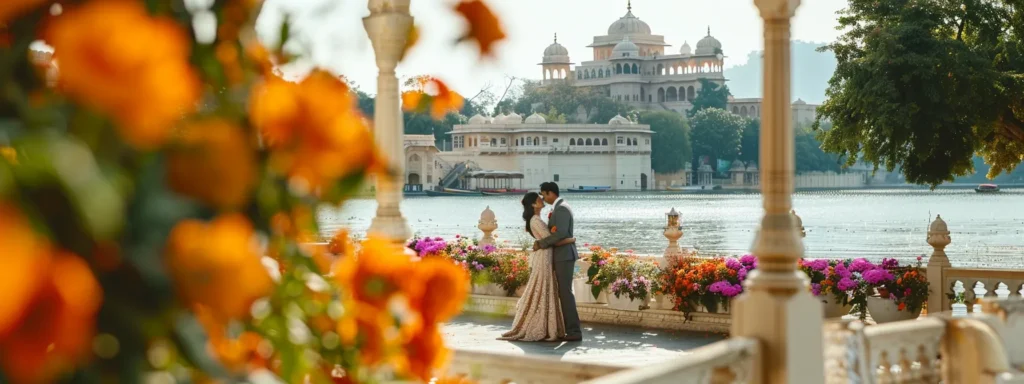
[538, 313]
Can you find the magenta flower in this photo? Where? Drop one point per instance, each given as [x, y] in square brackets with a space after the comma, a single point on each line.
[816, 289]
[733, 264]
[846, 284]
[889, 263]
[877, 276]
[861, 265]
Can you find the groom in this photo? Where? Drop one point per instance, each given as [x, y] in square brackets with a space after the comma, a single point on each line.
[560, 223]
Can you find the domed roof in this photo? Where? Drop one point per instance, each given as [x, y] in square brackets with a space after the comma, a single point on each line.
[625, 46]
[477, 119]
[752, 167]
[512, 118]
[536, 119]
[629, 24]
[708, 45]
[799, 102]
[556, 53]
[619, 120]
[685, 49]
[737, 166]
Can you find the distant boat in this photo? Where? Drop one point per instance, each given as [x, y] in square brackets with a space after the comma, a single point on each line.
[687, 188]
[987, 188]
[452, 192]
[588, 189]
[502, 192]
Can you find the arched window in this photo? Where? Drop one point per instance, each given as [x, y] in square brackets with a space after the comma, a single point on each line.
[494, 142]
[414, 158]
[618, 69]
[600, 73]
[536, 141]
[579, 75]
[589, 142]
[579, 141]
[572, 141]
[642, 97]
[607, 72]
[735, 111]
[743, 111]
[636, 69]
[561, 74]
[671, 94]
[593, 75]
[661, 95]
[690, 93]
[604, 141]
[634, 141]
[597, 141]
[661, 69]
[586, 74]
[671, 71]
[707, 67]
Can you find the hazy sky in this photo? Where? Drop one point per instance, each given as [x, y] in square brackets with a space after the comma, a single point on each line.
[333, 32]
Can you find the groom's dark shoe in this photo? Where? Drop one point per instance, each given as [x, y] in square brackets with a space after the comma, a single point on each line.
[573, 338]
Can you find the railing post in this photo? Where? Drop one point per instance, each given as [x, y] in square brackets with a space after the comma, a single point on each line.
[673, 232]
[938, 238]
[777, 307]
[388, 28]
[488, 223]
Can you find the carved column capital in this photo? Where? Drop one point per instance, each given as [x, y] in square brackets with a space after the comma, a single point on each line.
[388, 30]
[777, 9]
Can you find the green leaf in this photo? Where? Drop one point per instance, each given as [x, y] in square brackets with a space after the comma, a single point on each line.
[191, 339]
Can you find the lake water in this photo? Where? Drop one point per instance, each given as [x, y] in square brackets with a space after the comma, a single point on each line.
[987, 230]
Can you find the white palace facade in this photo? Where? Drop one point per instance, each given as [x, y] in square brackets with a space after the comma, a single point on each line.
[616, 154]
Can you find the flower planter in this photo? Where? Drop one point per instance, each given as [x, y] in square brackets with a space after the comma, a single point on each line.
[663, 302]
[519, 292]
[488, 289]
[581, 290]
[833, 309]
[623, 303]
[886, 311]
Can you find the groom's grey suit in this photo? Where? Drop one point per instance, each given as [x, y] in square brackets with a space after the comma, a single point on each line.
[560, 224]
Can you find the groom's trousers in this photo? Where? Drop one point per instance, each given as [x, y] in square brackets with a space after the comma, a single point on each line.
[563, 275]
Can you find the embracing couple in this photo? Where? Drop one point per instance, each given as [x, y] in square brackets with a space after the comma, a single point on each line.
[547, 310]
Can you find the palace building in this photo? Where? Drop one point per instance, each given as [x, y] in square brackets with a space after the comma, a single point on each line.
[637, 67]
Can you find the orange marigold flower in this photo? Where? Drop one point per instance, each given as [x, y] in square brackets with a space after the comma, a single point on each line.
[313, 128]
[11, 8]
[443, 290]
[366, 328]
[56, 328]
[215, 164]
[432, 94]
[218, 265]
[425, 353]
[25, 258]
[378, 272]
[108, 61]
[341, 243]
[484, 27]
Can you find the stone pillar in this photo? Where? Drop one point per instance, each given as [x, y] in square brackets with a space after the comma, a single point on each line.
[487, 224]
[673, 232]
[938, 238]
[388, 27]
[777, 307]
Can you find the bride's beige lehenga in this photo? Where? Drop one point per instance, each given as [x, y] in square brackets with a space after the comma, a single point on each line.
[538, 313]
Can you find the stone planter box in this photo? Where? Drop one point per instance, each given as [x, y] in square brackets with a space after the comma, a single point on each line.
[832, 308]
[663, 302]
[886, 311]
[581, 290]
[489, 289]
[624, 303]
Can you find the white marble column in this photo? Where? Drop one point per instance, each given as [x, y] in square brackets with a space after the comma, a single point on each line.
[388, 27]
[777, 307]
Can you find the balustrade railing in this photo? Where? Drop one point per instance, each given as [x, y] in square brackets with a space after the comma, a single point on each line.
[736, 360]
[975, 284]
[491, 368]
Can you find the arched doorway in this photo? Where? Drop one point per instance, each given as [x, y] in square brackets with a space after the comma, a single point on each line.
[414, 178]
[643, 181]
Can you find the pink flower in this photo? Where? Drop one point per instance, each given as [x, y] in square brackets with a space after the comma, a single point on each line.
[919, 258]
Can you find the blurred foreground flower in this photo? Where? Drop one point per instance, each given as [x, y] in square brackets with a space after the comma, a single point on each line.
[313, 129]
[431, 94]
[217, 265]
[146, 87]
[484, 27]
[50, 300]
[10, 8]
[214, 163]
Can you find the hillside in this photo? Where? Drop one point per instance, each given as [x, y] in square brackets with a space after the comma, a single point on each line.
[811, 72]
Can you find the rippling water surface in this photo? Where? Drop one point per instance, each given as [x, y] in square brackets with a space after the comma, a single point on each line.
[987, 229]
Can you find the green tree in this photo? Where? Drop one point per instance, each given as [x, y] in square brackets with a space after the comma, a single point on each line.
[554, 117]
[568, 99]
[809, 155]
[710, 95]
[750, 142]
[670, 144]
[923, 86]
[716, 133]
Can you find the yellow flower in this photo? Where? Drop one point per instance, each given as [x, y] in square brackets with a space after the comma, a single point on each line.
[215, 164]
[109, 61]
[217, 265]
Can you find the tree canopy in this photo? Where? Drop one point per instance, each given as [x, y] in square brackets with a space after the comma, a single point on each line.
[566, 99]
[716, 133]
[750, 142]
[670, 144]
[710, 95]
[925, 85]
